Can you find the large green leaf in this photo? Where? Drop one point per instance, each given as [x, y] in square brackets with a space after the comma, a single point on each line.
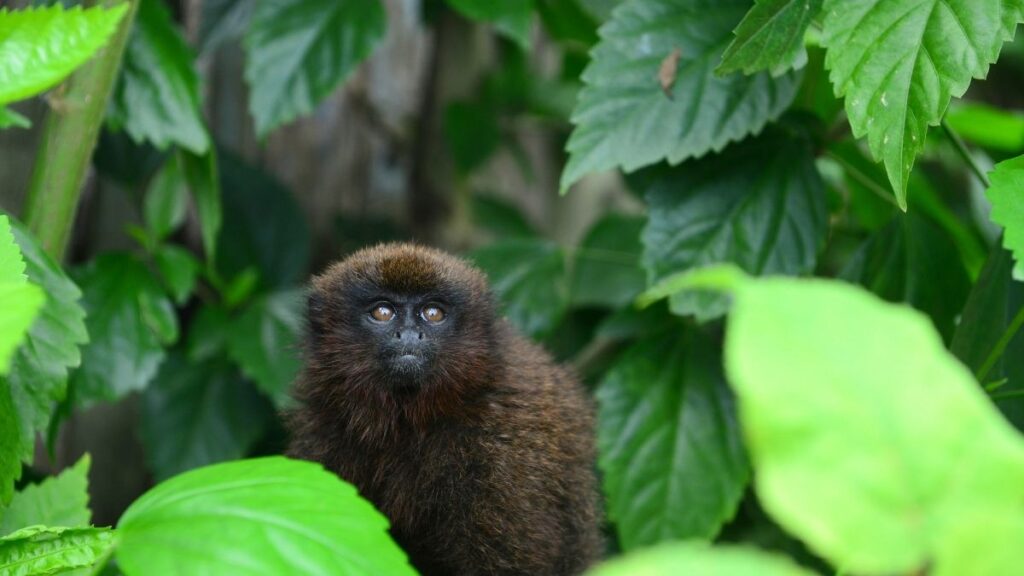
[39, 373]
[264, 341]
[670, 449]
[156, 98]
[912, 260]
[131, 319]
[510, 17]
[42, 550]
[771, 37]
[698, 558]
[39, 46]
[194, 414]
[768, 218]
[62, 500]
[1007, 197]
[898, 64]
[262, 516]
[624, 119]
[299, 51]
[870, 441]
[606, 269]
[267, 230]
[529, 278]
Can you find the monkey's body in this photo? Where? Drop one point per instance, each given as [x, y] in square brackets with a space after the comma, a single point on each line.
[484, 465]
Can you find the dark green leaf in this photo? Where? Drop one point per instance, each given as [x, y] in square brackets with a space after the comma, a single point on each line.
[166, 200]
[130, 320]
[11, 447]
[208, 334]
[124, 161]
[201, 175]
[768, 217]
[600, 9]
[568, 21]
[771, 37]
[267, 230]
[39, 46]
[911, 260]
[669, 442]
[43, 550]
[61, 500]
[299, 51]
[898, 64]
[500, 218]
[266, 516]
[223, 21]
[179, 269]
[623, 117]
[156, 98]
[529, 278]
[264, 341]
[510, 17]
[194, 414]
[471, 131]
[607, 271]
[39, 373]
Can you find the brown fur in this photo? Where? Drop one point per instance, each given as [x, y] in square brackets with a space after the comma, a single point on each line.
[485, 468]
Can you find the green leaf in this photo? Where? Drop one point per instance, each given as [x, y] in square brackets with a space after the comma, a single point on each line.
[62, 500]
[982, 544]
[194, 414]
[299, 51]
[179, 269]
[600, 9]
[607, 265]
[208, 334]
[510, 17]
[669, 444]
[624, 119]
[266, 229]
[203, 179]
[698, 558]
[988, 126]
[1007, 197]
[11, 447]
[912, 260]
[10, 118]
[870, 441]
[528, 277]
[261, 516]
[500, 218]
[39, 46]
[223, 21]
[166, 200]
[264, 341]
[472, 134]
[768, 218]
[39, 374]
[22, 303]
[156, 98]
[131, 320]
[898, 64]
[43, 550]
[771, 37]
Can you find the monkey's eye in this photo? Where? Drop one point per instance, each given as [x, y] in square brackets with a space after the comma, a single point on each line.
[432, 313]
[382, 313]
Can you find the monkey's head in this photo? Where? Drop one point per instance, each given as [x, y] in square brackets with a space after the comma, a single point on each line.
[400, 319]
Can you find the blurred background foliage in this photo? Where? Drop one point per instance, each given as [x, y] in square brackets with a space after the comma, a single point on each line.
[243, 150]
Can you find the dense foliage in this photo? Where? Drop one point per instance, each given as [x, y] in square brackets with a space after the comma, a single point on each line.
[806, 343]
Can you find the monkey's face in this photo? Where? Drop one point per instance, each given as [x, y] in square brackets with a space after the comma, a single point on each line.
[401, 317]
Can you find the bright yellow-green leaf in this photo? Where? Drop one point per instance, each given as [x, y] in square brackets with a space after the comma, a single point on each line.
[699, 559]
[1007, 197]
[40, 46]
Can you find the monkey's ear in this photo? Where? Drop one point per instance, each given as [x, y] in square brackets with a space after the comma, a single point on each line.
[315, 314]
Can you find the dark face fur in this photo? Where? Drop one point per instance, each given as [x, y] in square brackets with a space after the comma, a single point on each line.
[398, 325]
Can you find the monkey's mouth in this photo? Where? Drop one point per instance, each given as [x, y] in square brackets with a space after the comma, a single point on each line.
[408, 363]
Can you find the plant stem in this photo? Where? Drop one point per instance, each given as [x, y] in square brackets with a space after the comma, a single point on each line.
[69, 136]
[961, 148]
[1005, 395]
[1001, 345]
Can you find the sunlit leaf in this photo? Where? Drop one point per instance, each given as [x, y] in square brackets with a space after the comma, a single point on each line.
[987, 125]
[1007, 197]
[698, 558]
[61, 500]
[771, 37]
[898, 64]
[43, 550]
[10, 118]
[624, 119]
[299, 51]
[39, 46]
[674, 466]
[156, 98]
[262, 516]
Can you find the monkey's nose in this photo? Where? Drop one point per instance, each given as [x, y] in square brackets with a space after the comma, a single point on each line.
[409, 335]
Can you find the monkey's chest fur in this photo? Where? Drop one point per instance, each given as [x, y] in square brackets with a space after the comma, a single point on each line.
[507, 489]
